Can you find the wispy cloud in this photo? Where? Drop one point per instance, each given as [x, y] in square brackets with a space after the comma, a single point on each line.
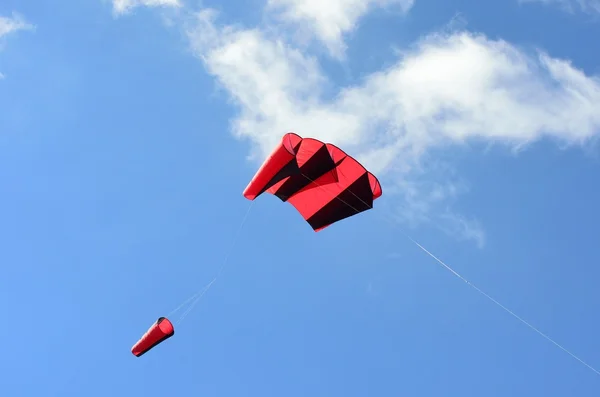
[588, 6]
[448, 88]
[488, 91]
[426, 200]
[13, 24]
[328, 21]
[121, 7]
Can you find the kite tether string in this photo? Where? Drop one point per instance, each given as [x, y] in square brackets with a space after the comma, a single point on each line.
[443, 264]
[194, 299]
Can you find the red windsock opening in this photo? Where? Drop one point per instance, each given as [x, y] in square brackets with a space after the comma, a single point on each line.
[160, 331]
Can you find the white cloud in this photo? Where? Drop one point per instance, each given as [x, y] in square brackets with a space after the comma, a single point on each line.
[449, 88]
[588, 6]
[426, 200]
[329, 20]
[125, 6]
[13, 24]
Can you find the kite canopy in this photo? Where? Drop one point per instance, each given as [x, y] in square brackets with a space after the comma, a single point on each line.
[160, 331]
[319, 179]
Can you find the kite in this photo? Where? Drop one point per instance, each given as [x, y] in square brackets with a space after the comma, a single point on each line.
[319, 179]
[160, 331]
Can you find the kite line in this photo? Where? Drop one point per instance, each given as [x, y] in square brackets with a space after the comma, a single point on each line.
[447, 267]
[194, 299]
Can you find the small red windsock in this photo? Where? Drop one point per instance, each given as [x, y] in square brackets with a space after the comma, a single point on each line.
[160, 331]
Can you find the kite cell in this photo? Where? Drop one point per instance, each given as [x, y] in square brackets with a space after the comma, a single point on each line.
[320, 180]
[160, 331]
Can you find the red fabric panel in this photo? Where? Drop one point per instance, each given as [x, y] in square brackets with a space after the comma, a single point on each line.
[307, 149]
[336, 153]
[158, 332]
[280, 156]
[375, 186]
[273, 189]
[323, 190]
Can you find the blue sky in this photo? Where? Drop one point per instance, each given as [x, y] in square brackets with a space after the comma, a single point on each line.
[129, 129]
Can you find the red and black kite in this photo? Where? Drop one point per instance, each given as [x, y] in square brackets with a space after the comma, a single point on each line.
[160, 331]
[319, 179]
